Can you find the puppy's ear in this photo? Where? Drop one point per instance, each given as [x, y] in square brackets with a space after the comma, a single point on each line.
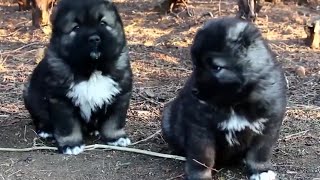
[53, 14]
[196, 49]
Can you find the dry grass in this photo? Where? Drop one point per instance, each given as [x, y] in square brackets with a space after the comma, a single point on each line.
[159, 49]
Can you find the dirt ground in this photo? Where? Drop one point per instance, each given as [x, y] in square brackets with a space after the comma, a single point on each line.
[159, 49]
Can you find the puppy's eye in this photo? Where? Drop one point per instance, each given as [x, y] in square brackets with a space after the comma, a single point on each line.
[76, 28]
[102, 23]
[216, 68]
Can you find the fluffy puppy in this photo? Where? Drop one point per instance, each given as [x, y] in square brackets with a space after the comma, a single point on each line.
[232, 106]
[84, 80]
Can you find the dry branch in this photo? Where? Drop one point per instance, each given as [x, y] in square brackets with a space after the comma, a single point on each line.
[294, 135]
[153, 135]
[22, 47]
[99, 146]
[202, 164]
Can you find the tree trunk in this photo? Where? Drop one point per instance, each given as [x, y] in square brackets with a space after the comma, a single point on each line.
[312, 29]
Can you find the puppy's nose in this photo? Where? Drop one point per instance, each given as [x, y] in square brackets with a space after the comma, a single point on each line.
[94, 39]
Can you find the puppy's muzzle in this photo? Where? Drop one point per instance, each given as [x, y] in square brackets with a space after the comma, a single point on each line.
[94, 41]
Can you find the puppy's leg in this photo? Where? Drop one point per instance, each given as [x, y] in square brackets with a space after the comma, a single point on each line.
[67, 128]
[259, 155]
[38, 109]
[200, 153]
[112, 123]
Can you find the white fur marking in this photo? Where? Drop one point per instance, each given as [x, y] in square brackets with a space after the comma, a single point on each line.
[121, 142]
[238, 123]
[235, 30]
[270, 175]
[95, 133]
[94, 93]
[44, 135]
[202, 102]
[73, 34]
[109, 28]
[74, 151]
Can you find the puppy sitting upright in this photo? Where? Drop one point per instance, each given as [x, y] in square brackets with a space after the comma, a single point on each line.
[85, 79]
[232, 106]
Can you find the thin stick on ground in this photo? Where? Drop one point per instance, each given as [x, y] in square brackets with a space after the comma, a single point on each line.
[219, 8]
[202, 164]
[22, 47]
[100, 146]
[146, 139]
[176, 177]
[149, 100]
[295, 135]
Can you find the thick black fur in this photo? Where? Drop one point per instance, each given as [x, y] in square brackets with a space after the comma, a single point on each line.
[78, 30]
[227, 78]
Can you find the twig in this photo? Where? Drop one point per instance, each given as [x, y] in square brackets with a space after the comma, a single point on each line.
[12, 33]
[304, 107]
[24, 134]
[100, 146]
[14, 173]
[28, 149]
[219, 7]
[22, 47]
[4, 116]
[2, 177]
[215, 170]
[149, 100]
[153, 135]
[294, 135]
[179, 176]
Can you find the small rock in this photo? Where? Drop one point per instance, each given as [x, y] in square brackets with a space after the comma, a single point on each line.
[148, 43]
[298, 19]
[285, 18]
[149, 93]
[301, 71]
[288, 30]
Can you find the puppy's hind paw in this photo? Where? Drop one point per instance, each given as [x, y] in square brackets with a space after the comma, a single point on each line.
[72, 150]
[270, 175]
[121, 142]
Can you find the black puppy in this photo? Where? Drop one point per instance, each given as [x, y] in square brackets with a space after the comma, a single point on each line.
[232, 106]
[85, 79]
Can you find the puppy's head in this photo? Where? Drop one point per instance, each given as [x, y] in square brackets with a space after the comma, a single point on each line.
[229, 57]
[87, 31]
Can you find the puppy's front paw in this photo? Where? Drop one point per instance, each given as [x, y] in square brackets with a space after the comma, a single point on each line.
[44, 135]
[270, 175]
[95, 133]
[72, 150]
[120, 142]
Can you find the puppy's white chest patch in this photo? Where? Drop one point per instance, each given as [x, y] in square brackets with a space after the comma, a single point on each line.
[92, 94]
[237, 123]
